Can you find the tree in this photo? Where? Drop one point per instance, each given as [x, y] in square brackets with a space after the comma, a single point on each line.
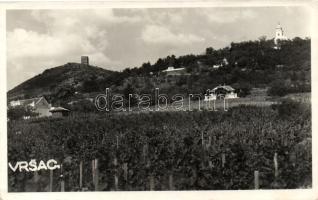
[129, 90]
[262, 38]
[84, 106]
[209, 51]
[88, 86]
[18, 112]
[278, 88]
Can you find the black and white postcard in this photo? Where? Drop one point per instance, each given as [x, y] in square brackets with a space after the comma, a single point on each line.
[163, 100]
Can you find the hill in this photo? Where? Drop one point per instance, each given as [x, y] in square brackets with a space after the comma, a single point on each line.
[243, 65]
[68, 78]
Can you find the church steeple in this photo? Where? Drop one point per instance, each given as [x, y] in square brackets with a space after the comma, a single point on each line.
[279, 34]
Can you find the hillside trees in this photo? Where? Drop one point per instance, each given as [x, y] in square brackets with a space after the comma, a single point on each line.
[18, 112]
[254, 63]
[258, 59]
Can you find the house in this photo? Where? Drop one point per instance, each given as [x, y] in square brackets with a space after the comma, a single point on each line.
[216, 66]
[223, 63]
[59, 112]
[209, 96]
[39, 105]
[222, 91]
[225, 91]
[279, 66]
[171, 71]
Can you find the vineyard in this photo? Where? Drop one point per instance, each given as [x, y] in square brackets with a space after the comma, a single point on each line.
[199, 150]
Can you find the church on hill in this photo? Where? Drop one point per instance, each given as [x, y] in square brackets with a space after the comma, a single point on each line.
[279, 34]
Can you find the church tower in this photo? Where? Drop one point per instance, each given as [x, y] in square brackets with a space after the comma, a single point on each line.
[279, 35]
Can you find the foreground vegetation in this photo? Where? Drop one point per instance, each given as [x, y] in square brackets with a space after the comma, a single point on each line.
[200, 150]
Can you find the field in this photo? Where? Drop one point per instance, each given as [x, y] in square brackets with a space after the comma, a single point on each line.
[199, 150]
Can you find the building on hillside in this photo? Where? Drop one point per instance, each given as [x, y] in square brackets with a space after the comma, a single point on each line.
[209, 96]
[59, 112]
[84, 60]
[221, 91]
[39, 105]
[223, 63]
[279, 66]
[224, 91]
[279, 35]
[171, 71]
[216, 66]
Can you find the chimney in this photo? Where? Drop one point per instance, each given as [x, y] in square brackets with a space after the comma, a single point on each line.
[84, 60]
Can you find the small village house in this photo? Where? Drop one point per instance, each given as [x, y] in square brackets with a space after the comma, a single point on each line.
[222, 64]
[225, 91]
[221, 91]
[39, 105]
[171, 71]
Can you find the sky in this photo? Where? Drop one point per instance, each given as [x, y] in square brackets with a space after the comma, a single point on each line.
[115, 39]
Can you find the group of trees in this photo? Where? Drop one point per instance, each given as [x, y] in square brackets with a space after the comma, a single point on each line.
[254, 55]
[254, 63]
[248, 64]
[18, 112]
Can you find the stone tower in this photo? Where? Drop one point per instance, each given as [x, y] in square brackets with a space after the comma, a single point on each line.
[84, 60]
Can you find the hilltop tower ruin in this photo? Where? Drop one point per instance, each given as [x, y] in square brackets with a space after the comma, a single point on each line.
[84, 60]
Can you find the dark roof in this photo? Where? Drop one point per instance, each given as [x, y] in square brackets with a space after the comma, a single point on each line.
[225, 87]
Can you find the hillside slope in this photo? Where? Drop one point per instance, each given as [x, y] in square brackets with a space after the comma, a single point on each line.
[71, 76]
[243, 65]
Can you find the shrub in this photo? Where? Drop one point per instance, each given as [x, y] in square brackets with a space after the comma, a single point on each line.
[289, 108]
[278, 88]
[16, 113]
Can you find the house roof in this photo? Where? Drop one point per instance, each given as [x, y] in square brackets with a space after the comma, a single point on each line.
[225, 87]
[59, 109]
[25, 102]
[171, 69]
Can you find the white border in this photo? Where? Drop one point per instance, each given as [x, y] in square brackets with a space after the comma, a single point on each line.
[302, 194]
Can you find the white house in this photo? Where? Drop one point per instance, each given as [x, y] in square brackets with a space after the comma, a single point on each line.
[216, 66]
[224, 92]
[40, 105]
[223, 63]
[209, 97]
[221, 91]
[175, 71]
